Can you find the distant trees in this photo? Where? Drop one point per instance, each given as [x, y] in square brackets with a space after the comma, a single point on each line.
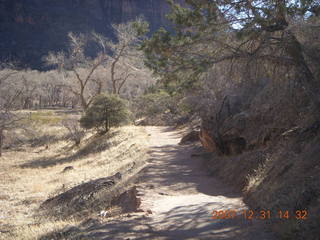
[8, 95]
[54, 91]
[8, 121]
[78, 79]
[6, 73]
[105, 111]
[31, 89]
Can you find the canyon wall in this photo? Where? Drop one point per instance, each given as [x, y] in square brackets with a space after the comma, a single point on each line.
[31, 28]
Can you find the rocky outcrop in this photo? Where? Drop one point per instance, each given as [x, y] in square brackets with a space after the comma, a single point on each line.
[232, 144]
[91, 196]
[242, 123]
[29, 29]
[127, 201]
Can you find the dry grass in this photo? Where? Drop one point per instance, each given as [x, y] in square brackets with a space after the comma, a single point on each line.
[43, 117]
[31, 175]
[257, 176]
[33, 231]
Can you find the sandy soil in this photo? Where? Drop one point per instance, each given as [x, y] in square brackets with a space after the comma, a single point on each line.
[177, 199]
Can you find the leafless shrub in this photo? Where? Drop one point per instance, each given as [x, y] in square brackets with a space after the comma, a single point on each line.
[74, 129]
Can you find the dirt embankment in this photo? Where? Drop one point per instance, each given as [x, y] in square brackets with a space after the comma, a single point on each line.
[269, 150]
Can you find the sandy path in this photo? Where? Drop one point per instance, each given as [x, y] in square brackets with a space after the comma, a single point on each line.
[179, 195]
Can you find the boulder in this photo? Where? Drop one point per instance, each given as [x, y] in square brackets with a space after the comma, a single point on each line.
[86, 197]
[207, 141]
[235, 145]
[127, 201]
[67, 169]
[192, 136]
[232, 138]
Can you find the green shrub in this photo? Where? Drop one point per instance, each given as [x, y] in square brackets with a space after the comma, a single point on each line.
[153, 103]
[104, 112]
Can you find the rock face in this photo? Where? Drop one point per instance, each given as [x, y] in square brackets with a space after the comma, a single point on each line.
[31, 28]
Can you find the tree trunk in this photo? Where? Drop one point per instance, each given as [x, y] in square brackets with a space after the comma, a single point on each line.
[107, 126]
[295, 51]
[99, 90]
[107, 123]
[113, 80]
[1, 141]
[40, 101]
[113, 69]
[84, 103]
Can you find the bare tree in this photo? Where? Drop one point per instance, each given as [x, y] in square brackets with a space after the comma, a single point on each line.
[74, 61]
[125, 53]
[52, 90]
[27, 93]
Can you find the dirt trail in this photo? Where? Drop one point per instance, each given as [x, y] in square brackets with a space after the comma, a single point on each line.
[179, 195]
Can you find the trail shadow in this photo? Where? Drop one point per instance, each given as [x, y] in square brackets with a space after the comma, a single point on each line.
[173, 166]
[188, 222]
[97, 144]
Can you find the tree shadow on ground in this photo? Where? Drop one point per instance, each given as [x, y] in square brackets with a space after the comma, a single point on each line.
[187, 222]
[181, 168]
[97, 144]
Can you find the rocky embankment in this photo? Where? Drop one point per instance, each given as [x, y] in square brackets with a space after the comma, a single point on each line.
[269, 149]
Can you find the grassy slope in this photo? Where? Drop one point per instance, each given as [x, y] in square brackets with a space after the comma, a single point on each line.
[32, 174]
